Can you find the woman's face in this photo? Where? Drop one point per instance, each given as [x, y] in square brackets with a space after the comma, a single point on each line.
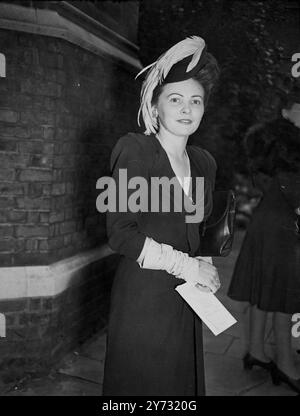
[180, 107]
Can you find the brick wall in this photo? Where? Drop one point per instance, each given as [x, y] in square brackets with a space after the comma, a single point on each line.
[41, 329]
[61, 110]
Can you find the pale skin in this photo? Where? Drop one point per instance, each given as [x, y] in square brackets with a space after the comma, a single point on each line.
[180, 108]
[282, 322]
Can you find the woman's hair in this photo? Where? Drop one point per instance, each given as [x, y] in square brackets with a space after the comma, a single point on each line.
[273, 147]
[207, 76]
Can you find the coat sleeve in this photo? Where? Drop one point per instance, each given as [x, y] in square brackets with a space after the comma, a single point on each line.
[123, 231]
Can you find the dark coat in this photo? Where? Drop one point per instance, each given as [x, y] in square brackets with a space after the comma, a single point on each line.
[267, 271]
[154, 338]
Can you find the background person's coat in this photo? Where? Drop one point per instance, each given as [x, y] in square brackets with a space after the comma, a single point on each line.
[267, 271]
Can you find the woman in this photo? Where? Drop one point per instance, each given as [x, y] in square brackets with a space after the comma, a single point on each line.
[267, 271]
[154, 338]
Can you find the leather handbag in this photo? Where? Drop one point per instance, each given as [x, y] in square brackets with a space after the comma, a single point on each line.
[217, 232]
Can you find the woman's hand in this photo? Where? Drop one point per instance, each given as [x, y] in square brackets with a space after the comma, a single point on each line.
[205, 275]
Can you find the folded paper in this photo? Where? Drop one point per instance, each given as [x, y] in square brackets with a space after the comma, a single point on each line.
[208, 307]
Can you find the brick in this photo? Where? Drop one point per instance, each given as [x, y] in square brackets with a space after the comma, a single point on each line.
[50, 75]
[4, 216]
[49, 60]
[23, 101]
[17, 216]
[33, 217]
[59, 203]
[40, 318]
[62, 134]
[54, 46]
[47, 118]
[58, 175]
[35, 175]
[11, 189]
[25, 39]
[50, 89]
[58, 188]
[67, 239]
[8, 116]
[70, 188]
[7, 175]
[39, 189]
[31, 231]
[27, 86]
[32, 258]
[36, 133]
[47, 304]
[31, 245]
[49, 104]
[32, 146]
[23, 319]
[28, 117]
[20, 245]
[26, 333]
[43, 245]
[61, 77]
[68, 227]
[44, 217]
[41, 204]
[38, 147]
[6, 202]
[41, 161]
[66, 121]
[48, 133]
[27, 57]
[8, 145]
[52, 230]
[48, 148]
[56, 217]
[59, 161]
[12, 160]
[57, 229]
[11, 319]
[56, 243]
[13, 305]
[35, 304]
[6, 260]
[6, 230]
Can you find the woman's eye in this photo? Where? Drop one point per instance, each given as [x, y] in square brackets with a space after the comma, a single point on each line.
[175, 100]
[197, 102]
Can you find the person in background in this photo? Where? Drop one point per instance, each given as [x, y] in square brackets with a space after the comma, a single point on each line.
[154, 343]
[267, 271]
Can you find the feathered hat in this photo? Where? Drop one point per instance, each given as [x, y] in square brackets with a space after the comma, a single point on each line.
[182, 61]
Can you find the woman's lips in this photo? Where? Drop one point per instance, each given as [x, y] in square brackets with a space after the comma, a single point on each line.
[184, 121]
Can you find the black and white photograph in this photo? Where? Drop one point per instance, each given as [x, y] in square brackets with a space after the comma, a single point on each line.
[149, 201]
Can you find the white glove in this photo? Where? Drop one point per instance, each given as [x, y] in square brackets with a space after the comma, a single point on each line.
[191, 269]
